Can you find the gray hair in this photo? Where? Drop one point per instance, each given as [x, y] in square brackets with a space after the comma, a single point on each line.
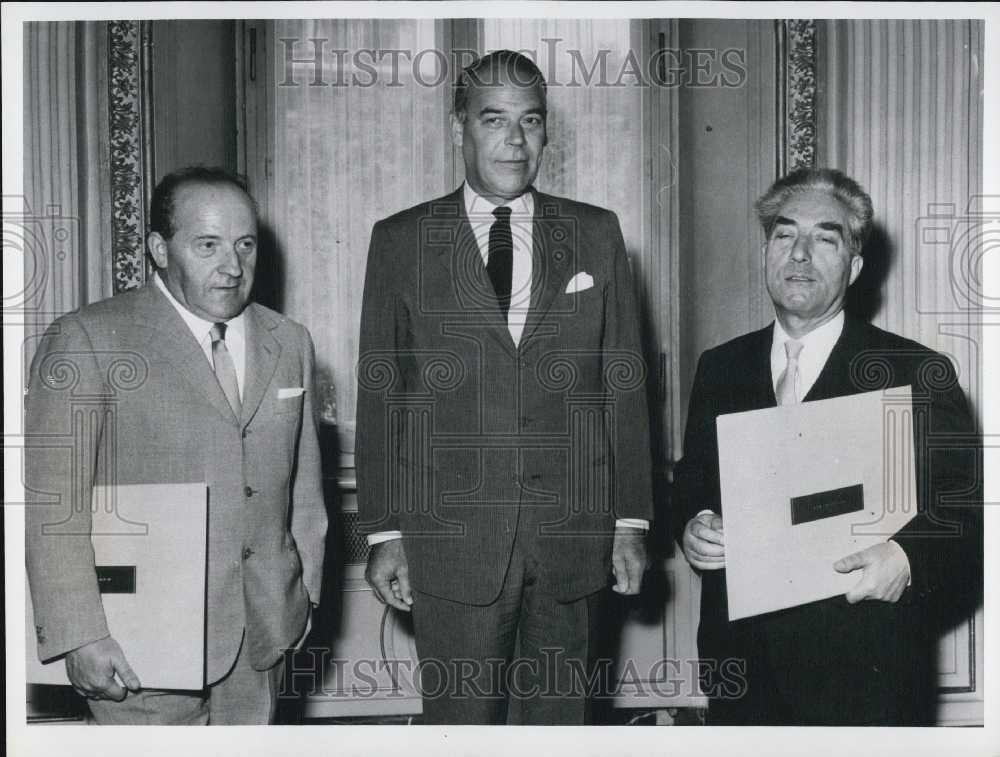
[519, 70]
[830, 180]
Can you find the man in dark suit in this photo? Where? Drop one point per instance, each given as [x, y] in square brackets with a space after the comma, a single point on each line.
[866, 657]
[502, 433]
[189, 383]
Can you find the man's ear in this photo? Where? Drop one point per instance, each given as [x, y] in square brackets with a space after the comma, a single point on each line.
[457, 126]
[763, 256]
[157, 247]
[857, 263]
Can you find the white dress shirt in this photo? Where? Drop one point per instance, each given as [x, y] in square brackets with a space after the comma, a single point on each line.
[522, 211]
[522, 225]
[816, 348]
[236, 341]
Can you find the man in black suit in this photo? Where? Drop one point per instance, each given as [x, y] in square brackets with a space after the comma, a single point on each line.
[866, 657]
[502, 436]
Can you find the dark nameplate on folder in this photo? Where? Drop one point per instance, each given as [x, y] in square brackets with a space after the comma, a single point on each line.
[116, 579]
[828, 504]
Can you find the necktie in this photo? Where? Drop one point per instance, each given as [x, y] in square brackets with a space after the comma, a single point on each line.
[225, 371]
[785, 391]
[500, 258]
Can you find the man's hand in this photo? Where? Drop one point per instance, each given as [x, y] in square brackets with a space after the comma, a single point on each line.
[703, 542]
[628, 559]
[92, 668]
[886, 572]
[388, 575]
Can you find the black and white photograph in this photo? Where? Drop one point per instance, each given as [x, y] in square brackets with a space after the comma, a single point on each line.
[395, 368]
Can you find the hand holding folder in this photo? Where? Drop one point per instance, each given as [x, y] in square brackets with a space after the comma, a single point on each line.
[95, 670]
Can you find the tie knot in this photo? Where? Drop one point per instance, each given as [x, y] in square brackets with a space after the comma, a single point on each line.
[792, 349]
[502, 213]
[218, 332]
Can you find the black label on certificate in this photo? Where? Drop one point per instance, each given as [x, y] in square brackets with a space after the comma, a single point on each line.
[116, 579]
[827, 504]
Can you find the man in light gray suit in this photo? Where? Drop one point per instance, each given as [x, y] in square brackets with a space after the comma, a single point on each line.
[218, 391]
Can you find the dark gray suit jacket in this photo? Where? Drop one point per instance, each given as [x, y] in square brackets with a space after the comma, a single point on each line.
[461, 434]
[873, 660]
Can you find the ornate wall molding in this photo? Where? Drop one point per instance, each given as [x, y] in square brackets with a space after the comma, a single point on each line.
[795, 58]
[128, 166]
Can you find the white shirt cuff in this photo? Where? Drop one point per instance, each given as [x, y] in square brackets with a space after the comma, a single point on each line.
[633, 523]
[381, 536]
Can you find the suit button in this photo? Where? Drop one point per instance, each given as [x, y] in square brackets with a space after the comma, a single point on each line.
[247, 552]
[245, 433]
[248, 491]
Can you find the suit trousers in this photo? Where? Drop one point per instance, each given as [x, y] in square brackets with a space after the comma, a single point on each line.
[829, 692]
[526, 658]
[244, 696]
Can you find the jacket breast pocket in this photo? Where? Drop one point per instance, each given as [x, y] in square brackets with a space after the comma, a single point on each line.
[289, 401]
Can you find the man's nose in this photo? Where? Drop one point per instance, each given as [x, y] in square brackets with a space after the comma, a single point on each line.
[231, 265]
[802, 249]
[515, 134]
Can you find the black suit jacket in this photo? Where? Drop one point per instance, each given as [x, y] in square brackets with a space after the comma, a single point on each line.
[463, 437]
[871, 661]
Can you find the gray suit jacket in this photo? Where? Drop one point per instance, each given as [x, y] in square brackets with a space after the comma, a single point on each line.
[121, 393]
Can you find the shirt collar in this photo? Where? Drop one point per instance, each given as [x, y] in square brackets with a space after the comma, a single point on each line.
[198, 325]
[819, 340]
[480, 210]
[817, 346]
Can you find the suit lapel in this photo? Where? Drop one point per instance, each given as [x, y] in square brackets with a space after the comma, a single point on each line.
[175, 342]
[262, 354]
[760, 369]
[835, 378]
[553, 242]
[462, 262]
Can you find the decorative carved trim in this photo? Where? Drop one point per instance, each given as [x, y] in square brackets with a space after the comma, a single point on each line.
[125, 134]
[796, 80]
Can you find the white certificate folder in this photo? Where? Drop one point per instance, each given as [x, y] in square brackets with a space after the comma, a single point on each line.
[150, 551]
[804, 485]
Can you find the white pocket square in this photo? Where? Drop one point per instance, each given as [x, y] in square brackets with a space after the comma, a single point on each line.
[580, 283]
[291, 391]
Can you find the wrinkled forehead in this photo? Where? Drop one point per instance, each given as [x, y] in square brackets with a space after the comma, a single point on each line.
[813, 208]
[510, 89]
[222, 203]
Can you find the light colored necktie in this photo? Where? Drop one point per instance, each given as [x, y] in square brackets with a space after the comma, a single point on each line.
[785, 391]
[225, 371]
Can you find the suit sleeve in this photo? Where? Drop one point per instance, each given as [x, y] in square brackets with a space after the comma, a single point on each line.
[696, 477]
[378, 374]
[624, 371]
[309, 519]
[944, 541]
[64, 424]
